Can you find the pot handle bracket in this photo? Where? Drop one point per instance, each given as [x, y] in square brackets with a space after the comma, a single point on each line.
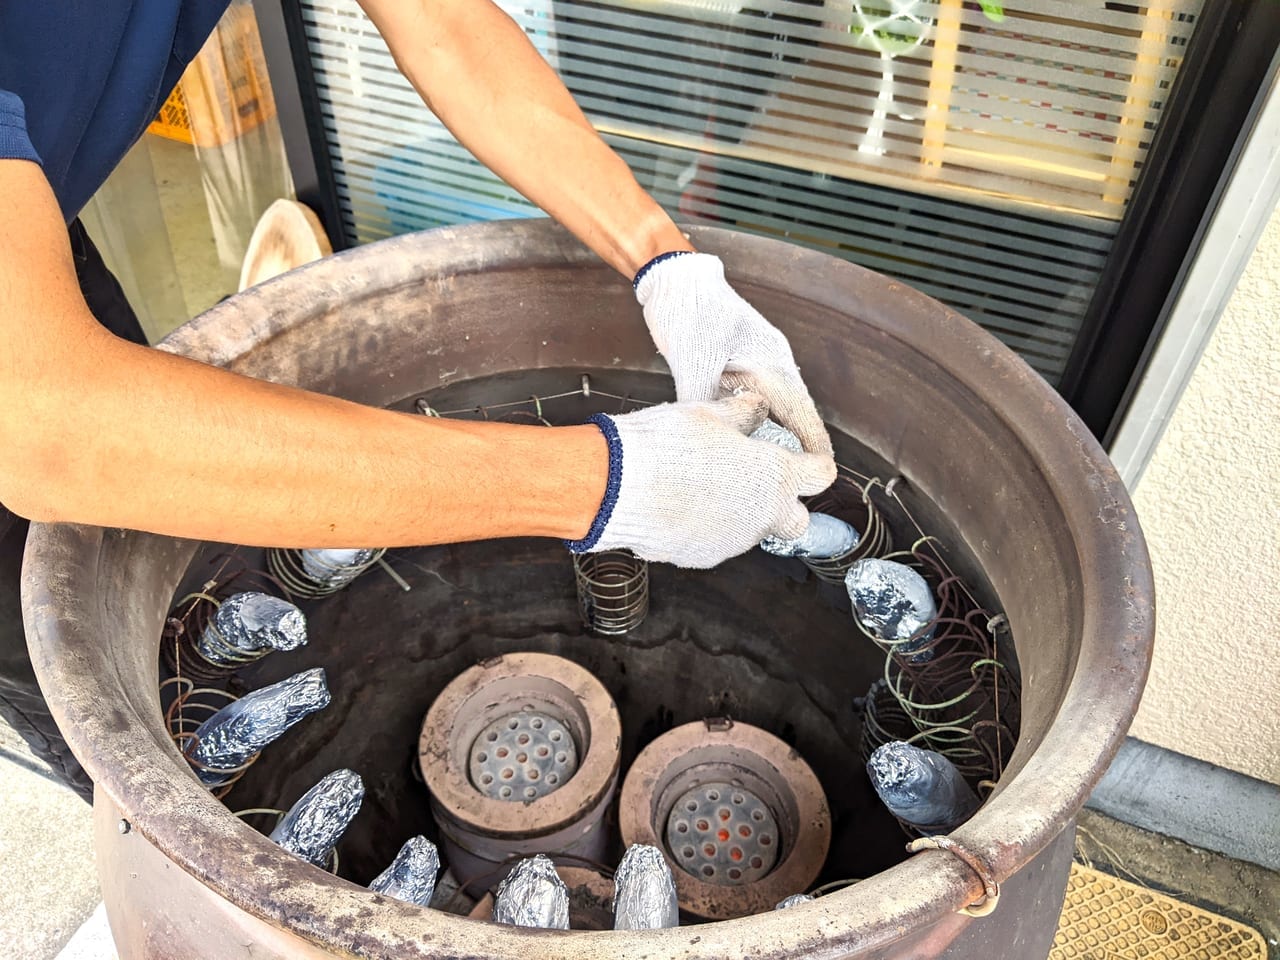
[991, 889]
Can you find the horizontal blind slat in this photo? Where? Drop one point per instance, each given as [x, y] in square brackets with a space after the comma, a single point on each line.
[1004, 205]
[1011, 127]
[778, 38]
[1056, 247]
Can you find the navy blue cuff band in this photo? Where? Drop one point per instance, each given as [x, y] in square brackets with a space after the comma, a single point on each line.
[635, 284]
[610, 431]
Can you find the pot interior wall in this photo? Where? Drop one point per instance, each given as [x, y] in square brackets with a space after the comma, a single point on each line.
[757, 639]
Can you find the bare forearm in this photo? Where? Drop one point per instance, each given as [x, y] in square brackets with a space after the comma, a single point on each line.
[187, 449]
[478, 72]
[101, 431]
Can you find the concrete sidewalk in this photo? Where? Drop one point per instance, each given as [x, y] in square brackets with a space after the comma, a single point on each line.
[48, 883]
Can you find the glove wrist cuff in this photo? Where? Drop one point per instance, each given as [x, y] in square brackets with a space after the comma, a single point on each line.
[643, 271]
[612, 486]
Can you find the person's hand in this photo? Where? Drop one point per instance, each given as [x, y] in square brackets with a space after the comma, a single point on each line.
[714, 342]
[688, 486]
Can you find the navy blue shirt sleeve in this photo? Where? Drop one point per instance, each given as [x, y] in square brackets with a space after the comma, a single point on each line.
[90, 75]
[14, 142]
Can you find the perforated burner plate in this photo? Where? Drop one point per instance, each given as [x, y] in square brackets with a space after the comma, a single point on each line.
[723, 834]
[522, 756]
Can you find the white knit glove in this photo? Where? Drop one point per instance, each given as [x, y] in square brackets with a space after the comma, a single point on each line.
[714, 342]
[688, 486]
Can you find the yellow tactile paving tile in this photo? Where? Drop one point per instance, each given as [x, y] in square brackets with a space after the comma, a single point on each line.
[1108, 919]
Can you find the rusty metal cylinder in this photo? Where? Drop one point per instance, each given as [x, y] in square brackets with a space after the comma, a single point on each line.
[966, 426]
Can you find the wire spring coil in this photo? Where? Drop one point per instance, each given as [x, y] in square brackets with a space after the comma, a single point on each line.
[613, 591]
[287, 566]
[849, 499]
[191, 706]
[192, 618]
[962, 701]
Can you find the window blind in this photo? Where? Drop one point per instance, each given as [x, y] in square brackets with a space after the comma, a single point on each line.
[983, 153]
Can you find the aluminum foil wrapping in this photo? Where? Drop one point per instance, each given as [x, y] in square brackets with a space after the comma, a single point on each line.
[772, 432]
[313, 825]
[235, 733]
[247, 623]
[335, 568]
[533, 895]
[921, 787]
[645, 893]
[826, 537]
[893, 602]
[412, 874]
[794, 901]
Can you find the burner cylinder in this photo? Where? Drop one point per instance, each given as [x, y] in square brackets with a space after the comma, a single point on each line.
[740, 817]
[520, 754]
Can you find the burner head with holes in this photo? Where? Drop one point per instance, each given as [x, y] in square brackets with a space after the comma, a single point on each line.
[741, 819]
[520, 754]
[523, 756]
[723, 834]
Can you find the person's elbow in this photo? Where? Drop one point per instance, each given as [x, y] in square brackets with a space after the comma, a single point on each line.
[35, 469]
[31, 485]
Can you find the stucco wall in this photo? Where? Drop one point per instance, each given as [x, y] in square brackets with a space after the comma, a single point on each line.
[1209, 503]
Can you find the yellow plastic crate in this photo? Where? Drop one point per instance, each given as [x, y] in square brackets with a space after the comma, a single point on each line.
[225, 91]
[172, 121]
